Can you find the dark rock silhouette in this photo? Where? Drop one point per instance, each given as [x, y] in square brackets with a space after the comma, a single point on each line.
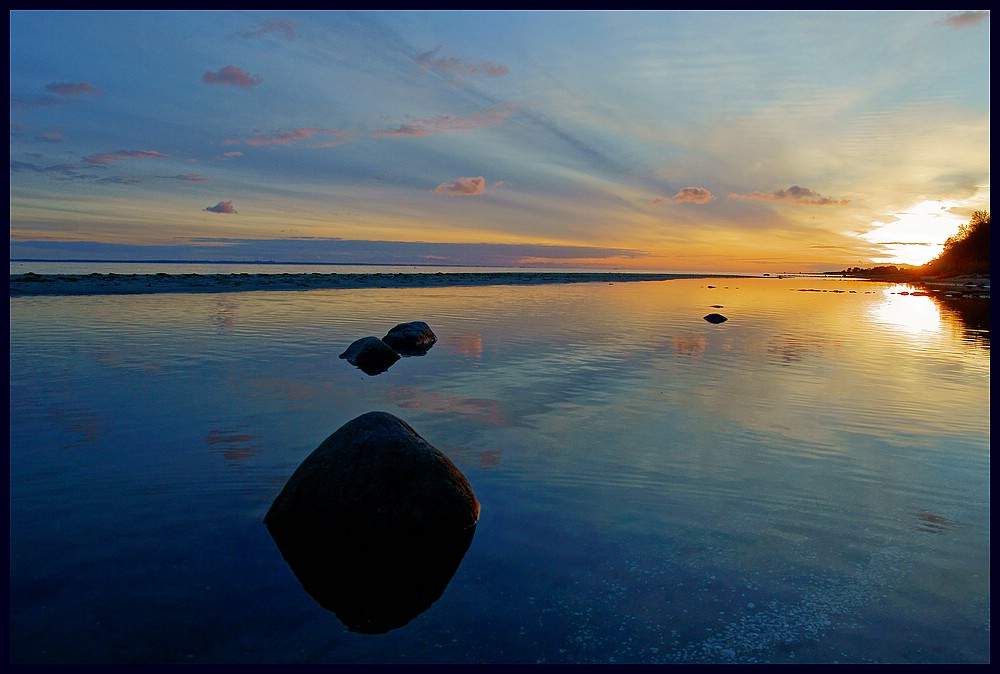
[411, 339]
[374, 523]
[716, 318]
[371, 355]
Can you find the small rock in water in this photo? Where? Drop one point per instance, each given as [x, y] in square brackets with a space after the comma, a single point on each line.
[411, 339]
[371, 355]
[716, 318]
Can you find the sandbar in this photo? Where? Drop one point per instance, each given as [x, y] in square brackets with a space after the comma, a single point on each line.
[30, 284]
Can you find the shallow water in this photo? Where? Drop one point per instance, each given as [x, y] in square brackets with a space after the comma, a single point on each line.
[806, 482]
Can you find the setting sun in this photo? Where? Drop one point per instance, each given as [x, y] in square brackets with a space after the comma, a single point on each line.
[917, 235]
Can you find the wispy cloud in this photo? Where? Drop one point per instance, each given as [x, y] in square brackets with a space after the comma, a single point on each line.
[65, 172]
[51, 137]
[421, 127]
[222, 207]
[688, 195]
[969, 18]
[106, 158]
[65, 93]
[283, 137]
[71, 88]
[462, 187]
[25, 102]
[794, 194]
[429, 60]
[120, 180]
[233, 76]
[276, 25]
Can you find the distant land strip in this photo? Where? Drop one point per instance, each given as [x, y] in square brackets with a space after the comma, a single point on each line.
[30, 284]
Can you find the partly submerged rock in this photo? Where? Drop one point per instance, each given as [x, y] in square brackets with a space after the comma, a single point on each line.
[716, 318]
[374, 523]
[371, 355]
[411, 339]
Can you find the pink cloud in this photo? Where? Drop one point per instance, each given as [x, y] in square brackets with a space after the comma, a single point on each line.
[232, 154]
[271, 26]
[232, 75]
[462, 187]
[402, 131]
[221, 207]
[112, 157]
[422, 127]
[495, 70]
[190, 177]
[427, 61]
[794, 194]
[689, 195]
[289, 136]
[71, 88]
[969, 18]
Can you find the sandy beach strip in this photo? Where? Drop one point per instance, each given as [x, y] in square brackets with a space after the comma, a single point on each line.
[27, 285]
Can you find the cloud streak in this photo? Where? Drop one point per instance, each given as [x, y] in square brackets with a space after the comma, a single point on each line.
[969, 18]
[27, 102]
[276, 25]
[422, 127]
[63, 172]
[232, 76]
[221, 207]
[107, 158]
[794, 194]
[71, 88]
[286, 136]
[120, 180]
[428, 61]
[688, 195]
[462, 187]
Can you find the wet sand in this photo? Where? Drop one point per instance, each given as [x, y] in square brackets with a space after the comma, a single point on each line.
[26, 285]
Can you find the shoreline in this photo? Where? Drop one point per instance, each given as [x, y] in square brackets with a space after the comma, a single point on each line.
[33, 285]
[971, 287]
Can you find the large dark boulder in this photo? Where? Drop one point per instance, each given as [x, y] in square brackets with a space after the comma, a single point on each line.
[411, 339]
[374, 523]
[716, 318]
[371, 355]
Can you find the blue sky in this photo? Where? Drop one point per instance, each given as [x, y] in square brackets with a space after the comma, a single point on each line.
[670, 140]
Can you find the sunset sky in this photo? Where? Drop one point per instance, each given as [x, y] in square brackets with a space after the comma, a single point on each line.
[756, 141]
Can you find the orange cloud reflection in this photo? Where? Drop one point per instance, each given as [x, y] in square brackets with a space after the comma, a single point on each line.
[480, 410]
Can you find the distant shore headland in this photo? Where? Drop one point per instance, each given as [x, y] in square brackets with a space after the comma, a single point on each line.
[30, 284]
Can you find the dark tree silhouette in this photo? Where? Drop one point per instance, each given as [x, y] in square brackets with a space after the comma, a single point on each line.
[966, 253]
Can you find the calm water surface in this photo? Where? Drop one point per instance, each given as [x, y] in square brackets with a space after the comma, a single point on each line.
[806, 482]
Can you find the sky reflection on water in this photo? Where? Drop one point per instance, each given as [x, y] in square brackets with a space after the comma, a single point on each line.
[808, 481]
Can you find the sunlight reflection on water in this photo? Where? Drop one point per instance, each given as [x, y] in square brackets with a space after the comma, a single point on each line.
[912, 314]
